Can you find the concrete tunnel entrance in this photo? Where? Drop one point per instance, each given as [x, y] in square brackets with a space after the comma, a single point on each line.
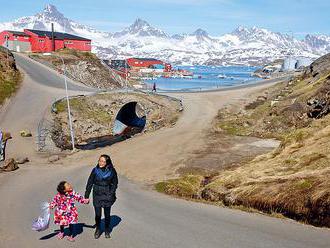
[127, 122]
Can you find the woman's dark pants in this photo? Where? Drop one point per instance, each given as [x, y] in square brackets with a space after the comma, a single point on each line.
[98, 215]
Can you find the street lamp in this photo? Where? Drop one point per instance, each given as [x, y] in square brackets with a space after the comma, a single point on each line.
[126, 74]
[7, 48]
[67, 99]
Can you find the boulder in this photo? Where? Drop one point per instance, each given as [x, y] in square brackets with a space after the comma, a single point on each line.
[9, 165]
[25, 133]
[22, 160]
[53, 158]
[214, 195]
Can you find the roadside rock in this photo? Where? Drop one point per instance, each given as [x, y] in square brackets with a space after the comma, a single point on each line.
[9, 165]
[22, 160]
[53, 158]
[214, 195]
[25, 133]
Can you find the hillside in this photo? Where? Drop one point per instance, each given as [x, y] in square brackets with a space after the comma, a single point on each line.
[83, 67]
[9, 75]
[291, 180]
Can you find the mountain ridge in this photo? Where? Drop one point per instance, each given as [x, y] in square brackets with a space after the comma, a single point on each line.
[243, 46]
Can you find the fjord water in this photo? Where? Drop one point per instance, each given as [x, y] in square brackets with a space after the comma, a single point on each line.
[207, 78]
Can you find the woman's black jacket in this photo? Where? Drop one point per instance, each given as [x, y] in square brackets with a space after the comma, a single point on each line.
[104, 189]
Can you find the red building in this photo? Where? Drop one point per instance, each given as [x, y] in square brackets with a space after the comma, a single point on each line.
[42, 41]
[148, 63]
[16, 41]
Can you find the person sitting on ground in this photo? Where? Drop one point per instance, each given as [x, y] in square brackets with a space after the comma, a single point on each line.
[66, 213]
[4, 137]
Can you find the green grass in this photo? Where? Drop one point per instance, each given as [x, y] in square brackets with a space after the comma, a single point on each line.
[86, 110]
[296, 136]
[186, 186]
[233, 128]
[290, 161]
[304, 184]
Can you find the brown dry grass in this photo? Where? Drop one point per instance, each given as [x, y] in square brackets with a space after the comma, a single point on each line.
[10, 77]
[293, 180]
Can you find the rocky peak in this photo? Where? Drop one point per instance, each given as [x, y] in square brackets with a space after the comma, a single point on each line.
[141, 28]
[50, 12]
[200, 32]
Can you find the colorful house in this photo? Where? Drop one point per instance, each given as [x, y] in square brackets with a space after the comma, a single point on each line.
[42, 41]
[148, 63]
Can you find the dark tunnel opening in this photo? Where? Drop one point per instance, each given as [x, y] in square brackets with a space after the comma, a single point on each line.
[127, 122]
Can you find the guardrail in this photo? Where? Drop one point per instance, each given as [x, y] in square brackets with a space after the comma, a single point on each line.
[44, 131]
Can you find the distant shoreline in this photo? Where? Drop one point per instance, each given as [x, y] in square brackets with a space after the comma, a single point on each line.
[227, 88]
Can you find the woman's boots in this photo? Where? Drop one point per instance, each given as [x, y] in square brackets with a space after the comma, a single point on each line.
[107, 234]
[97, 233]
[107, 226]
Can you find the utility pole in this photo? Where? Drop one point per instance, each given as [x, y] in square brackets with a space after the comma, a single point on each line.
[68, 101]
[69, 109]
[7, 49]
[126, 74]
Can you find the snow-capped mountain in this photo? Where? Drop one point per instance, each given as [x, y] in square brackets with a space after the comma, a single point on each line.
[319, 43]
[49, 15]
[141, 28]
[247, 46]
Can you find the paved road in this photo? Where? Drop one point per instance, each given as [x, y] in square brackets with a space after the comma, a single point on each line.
[141, 218]
[45, 76]
[41, 87]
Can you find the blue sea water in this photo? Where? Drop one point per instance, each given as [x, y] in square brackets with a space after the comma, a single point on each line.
[207, 78]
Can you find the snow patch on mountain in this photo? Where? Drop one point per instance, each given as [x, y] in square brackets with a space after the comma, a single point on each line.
[243, 46]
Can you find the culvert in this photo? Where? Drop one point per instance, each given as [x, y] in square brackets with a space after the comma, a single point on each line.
[127, 122]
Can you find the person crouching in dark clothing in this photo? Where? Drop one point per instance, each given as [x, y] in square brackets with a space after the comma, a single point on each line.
[104, 181]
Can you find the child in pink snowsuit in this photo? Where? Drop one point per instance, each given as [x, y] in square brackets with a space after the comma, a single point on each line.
[66, 213]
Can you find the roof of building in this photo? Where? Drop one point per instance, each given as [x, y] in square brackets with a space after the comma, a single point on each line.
[148, 59]
[17, 33]
[58, 35]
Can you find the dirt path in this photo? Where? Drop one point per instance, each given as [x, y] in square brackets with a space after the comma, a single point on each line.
[155, 156]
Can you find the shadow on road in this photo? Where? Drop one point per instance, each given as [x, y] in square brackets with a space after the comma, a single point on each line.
[79, 228]
[100, 142]
[115, 220]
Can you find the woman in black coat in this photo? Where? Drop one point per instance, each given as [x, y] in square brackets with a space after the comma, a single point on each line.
[104, 181]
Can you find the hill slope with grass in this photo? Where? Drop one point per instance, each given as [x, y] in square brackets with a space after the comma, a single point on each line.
[9, 75]
[291, 180]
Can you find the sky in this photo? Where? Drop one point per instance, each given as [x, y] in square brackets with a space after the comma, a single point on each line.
[217, 17]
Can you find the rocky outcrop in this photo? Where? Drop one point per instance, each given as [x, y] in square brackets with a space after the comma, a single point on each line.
[319, 68]
[9, 75]
[82, 67]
